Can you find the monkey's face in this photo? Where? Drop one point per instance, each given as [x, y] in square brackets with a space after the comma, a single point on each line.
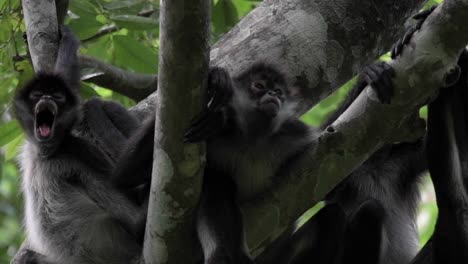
[46, 108]
[45, 113]
[269, 96]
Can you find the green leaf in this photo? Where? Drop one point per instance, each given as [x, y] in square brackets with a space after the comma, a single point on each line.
[88, 23]
[224, 16]
[84, 8]
[12, 147]
[87, 91]
[243, 7]
[85, 27]
[115, 5]
[8, 132]
[135, 22]
[5, 28]
[101, 48]
[132, 54]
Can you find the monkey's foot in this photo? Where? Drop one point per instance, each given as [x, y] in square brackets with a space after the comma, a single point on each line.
[402, 42]
[379, 77]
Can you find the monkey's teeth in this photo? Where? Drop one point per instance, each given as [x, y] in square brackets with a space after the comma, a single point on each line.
[44, 130]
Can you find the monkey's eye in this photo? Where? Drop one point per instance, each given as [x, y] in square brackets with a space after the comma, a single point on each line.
[59, 97]
[35, 95]
[258, 85]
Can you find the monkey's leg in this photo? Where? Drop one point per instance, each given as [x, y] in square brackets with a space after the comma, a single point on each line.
[132, 172]
[219, 222]
[317, 240]
[363, 237]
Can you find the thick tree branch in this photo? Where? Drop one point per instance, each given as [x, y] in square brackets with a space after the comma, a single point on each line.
[320, 44]
[134, 85]
[177, 167]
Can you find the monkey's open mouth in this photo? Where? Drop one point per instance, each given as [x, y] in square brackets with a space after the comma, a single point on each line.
[45, 117]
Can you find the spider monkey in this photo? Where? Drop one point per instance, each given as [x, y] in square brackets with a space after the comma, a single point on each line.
[447, 151]
[73, 213]
[252, 133]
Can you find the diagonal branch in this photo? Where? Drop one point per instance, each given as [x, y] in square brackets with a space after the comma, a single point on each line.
[134, 85]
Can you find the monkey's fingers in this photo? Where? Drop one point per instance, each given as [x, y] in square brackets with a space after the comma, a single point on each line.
[425, 13]
[205, 128]
[379, 77]
[219, 86]
[385, 82]
[218, 79]
[218, 101]
[201, 119]
[397, 48]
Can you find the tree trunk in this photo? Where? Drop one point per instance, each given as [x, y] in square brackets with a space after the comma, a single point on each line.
[177, 167]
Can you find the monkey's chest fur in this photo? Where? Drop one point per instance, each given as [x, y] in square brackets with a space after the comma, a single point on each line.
[52, 200]
[253, 166]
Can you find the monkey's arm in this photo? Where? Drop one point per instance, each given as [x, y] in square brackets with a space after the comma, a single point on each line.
[219, 221]
[319, 240]
[67, 64]
[214, 119]
[109, 125]
[134, 165]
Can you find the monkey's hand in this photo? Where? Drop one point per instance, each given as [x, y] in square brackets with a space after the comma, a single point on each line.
[420, 18]
[212, 120]
[379, 77]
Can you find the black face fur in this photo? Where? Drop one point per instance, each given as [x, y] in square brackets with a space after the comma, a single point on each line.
[46, 108]
[266, 87]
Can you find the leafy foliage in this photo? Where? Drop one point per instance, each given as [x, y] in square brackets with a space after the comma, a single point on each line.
[120, 32]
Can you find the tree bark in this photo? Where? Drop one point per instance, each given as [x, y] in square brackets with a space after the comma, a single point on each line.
[319, 44]
[177, 167]
[40, 18]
